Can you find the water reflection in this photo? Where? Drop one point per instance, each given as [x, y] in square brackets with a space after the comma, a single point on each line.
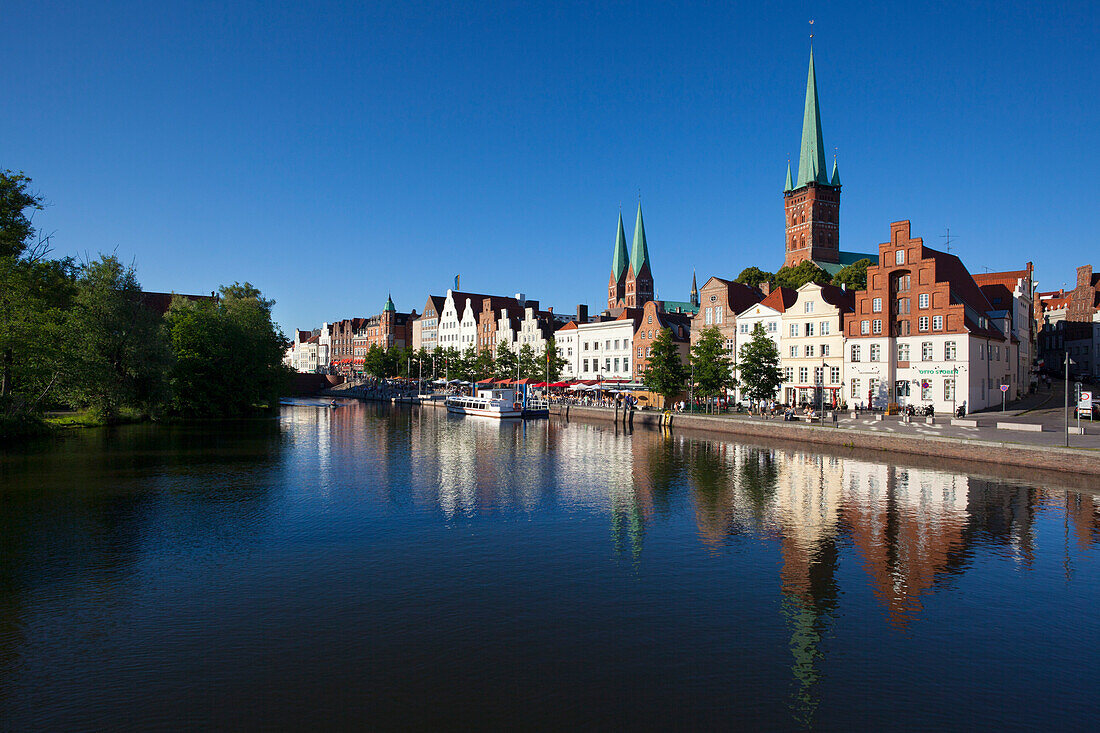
[598, 546]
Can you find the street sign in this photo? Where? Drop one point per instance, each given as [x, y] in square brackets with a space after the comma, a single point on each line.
[1004, 387]
[1084, 402]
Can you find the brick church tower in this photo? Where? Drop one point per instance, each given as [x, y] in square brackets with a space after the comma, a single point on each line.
[812, 203]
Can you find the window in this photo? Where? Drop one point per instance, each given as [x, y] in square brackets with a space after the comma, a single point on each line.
[616, 343]
[788, 374]
[834, 375]
[772, 326]
[626, 364]
[876, 326]
[584, 365]
[649, 319]
[876, 351]
[922, 300]
[855, 353]
[809, 329]
[794, 329]
[794, 352]
[639, 352]
[926, 389]
[717, 314]
[744, 328]
[865, 327]
[855, 389]
[586, 346]
[949, 389]
[922, 323]
[824, 328]
[803, 375]
[876, 305]
[902, 306]
[809, 306]
[926, 351]
[937, 323]
[708, 316]
[899, 257]
[607, 345]
[903, 352]
[595, 345]
[809, 349]
[824, 349]
[607, 365]
[616, 363]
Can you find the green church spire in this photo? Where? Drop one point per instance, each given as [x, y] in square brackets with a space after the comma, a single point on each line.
[619, 261]
[836, 175]
[788, 186]
[811, 162]
[639, 254]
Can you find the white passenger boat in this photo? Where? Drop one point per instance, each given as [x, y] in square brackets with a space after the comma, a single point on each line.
[497, 403]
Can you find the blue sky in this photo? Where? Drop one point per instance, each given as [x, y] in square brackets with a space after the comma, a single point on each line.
[331, 153]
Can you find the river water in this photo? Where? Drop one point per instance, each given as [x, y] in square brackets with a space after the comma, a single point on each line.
[379, 567]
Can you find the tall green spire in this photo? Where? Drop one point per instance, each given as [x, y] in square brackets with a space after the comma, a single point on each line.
[836, 175]
[788, 186]
[619, 261]
[389, 304]
[811, 162]
[639, 254]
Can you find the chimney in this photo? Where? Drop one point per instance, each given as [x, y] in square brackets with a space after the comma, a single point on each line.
[550, 309]
[582, 313]
[766, 288]
[520, 298]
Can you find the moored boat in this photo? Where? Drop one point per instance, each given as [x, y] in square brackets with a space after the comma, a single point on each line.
[495, 403]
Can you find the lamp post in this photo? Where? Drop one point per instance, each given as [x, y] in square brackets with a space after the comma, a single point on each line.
[821, 387]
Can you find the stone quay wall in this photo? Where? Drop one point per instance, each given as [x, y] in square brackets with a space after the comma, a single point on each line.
[1082, 462]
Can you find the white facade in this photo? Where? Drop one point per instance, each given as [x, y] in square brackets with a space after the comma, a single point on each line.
[458, 323]
[600, 350]
[941, 370]
[769, 318]
[812, 350]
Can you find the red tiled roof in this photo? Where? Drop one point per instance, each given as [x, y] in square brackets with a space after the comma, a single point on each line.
[780, 299]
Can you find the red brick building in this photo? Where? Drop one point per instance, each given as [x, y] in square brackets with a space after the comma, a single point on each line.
[649, 321]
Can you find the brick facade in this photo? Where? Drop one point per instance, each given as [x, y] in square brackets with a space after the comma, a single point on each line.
[812, 224]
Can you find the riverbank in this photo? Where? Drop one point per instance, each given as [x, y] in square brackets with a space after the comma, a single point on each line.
[908, 438]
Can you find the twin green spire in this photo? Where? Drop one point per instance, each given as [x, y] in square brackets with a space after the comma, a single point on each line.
[811, 159]
[619, 261]
[639, 253]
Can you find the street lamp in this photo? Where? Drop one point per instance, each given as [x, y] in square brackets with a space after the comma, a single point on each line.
[821, 387]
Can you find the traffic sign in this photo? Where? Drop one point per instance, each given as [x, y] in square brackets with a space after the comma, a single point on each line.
[1004, 387]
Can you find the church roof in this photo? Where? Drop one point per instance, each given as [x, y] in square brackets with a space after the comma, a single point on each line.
[811, 160]
[639, 253]
[389, 306]
[846, 258]
[621, 257]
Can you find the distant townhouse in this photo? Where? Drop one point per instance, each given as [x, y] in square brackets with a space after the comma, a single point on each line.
[654, 318]
[465, 320]
[425, 331]
[922, 327]
[498, 311]
[601, 350]
[1013, 293]
[343, 349]
[719, 302]
[1071, 328]
[812, 338]
[769, 314]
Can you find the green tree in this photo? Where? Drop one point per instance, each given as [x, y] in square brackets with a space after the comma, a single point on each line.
[552, 361]
[802, 273]
[664, 373]
[758, 366]
[711, 364]
[504, 365]
[374, 361]
[754, 276]
[482, 365]
[226, 355]
[118, 343]
[854, 276]
[16, 230]
[530, 367]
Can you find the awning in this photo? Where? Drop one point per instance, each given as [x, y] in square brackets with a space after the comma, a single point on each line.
[485, 381]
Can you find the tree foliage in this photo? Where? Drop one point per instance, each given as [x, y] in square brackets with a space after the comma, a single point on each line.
[802, 273]
[552, 361]
[664, 372]
[711, 364]
[754, 276]
[118, 345]
[758, 366]
[854, 276]
[226, 355]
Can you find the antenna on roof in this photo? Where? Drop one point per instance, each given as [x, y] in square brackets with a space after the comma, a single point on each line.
[947, 237]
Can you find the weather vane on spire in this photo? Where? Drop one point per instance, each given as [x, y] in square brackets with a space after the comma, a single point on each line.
[811, 30]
